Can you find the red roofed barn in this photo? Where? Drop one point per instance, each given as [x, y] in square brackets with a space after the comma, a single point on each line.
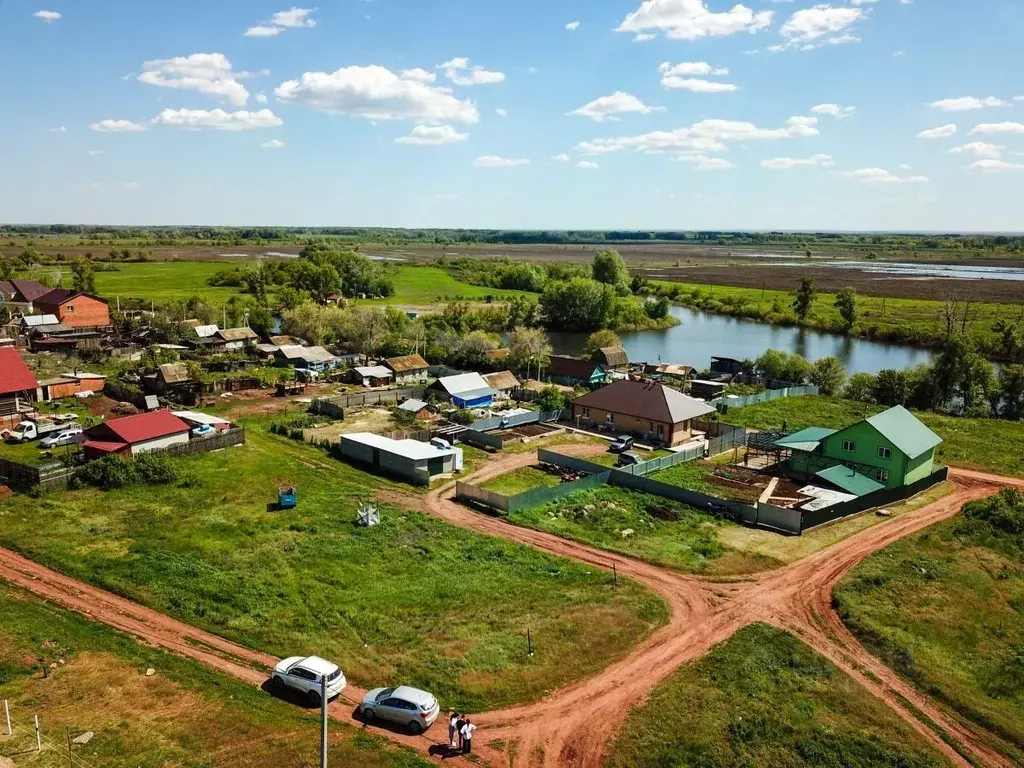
[133, 435]
[18, 387]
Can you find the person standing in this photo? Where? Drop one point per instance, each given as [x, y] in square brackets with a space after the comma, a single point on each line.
[460, 723]
[467, 736]
[453, 730]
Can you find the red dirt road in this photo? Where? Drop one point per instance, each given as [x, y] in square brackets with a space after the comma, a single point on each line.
[574, 726]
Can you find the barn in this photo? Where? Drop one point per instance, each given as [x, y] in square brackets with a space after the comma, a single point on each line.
[133, 435]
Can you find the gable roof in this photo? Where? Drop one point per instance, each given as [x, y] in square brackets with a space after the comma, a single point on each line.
[613, 356]
[59, 296]
[315, 354]
[501, 380]
[373, 371]
[29, 290]
[15, 376]
[645, 400]
[806, 440]
[145, 426]
[901, 428]
[413, 406]
[406, 363]
[34, 321]
[464, 383]
[174, 373]
[7, 288]
[205, 331]
[849, 480]
[573, 367]
[237, 334]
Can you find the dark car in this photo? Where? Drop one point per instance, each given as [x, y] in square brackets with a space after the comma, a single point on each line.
[629, 459]
[621, 443]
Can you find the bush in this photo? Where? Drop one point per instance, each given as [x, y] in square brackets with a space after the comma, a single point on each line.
[462, 416]
[121, 471]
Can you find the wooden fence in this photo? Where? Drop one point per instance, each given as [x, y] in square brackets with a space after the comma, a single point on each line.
[328, 406]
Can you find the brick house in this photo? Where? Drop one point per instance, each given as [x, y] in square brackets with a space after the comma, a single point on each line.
[650, 410]
[74, 308]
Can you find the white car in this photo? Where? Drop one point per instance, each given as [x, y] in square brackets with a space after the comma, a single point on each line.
[411, 707]
[304, 674]
[64, 437]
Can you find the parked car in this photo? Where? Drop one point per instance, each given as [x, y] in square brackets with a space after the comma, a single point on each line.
[411, 707]
[629, 459]
[304, 673]
[621, 443]
[64, 437]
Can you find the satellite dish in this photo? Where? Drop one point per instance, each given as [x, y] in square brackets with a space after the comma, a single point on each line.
[368, 514]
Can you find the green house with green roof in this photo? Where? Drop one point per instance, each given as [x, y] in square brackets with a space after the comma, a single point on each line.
[890, 450]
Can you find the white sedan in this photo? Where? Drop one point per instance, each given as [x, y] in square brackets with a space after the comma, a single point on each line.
[305, 673]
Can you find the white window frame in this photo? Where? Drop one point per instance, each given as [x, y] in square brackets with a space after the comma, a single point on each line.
[881, 475]
[884, 453]
[852, 446]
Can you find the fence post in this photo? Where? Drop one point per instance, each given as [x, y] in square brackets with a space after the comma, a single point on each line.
[7, 714]
[39, 741]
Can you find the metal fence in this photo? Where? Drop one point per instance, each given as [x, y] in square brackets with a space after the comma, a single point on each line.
[328, 406]
[482, 440]
[535, 497]
[725, 403]
[507, 422]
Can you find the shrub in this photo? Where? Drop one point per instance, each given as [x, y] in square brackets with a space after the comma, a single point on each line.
[120, 471]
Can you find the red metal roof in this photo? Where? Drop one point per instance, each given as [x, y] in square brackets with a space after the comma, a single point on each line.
[138, 429]
[101, 446]
[14, 374]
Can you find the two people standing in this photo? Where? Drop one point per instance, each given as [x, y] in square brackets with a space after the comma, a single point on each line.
[460, 733]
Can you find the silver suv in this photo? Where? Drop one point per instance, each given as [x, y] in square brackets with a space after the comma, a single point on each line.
[304, 673]
[403, 705]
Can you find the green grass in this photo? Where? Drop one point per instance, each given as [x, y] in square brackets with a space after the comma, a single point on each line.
[185, 715]
[691, 475]
[419, 286]
[521, 480]
[412, 600]
[763, 698]
[663, 532]
[945, 608]
[163, 281]
[980, 444]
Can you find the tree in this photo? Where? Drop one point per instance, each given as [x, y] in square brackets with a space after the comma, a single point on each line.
[783, 366]
[828, 374]
[552, 399]
[599, 340]
[522, 311]
[860, 387]
[578, 305]
[529, 347]
[846, 303]
[610, 269]
[475, 348]
[1008, 332]
[891, 388]
[1011, 381]
[261, 321]
[364, 329]
[6, 268]
[317, 281]
[83, 276]
[307, 321]
[657, 309]
[256, 282]
[803, 298]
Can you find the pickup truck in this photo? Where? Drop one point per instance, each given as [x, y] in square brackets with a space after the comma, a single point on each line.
[33, 430]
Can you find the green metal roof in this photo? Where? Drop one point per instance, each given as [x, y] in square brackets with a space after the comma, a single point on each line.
[849, 480]
[806, 440]
[901, 428]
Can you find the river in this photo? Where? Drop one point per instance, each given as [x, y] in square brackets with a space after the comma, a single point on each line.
[702, 335]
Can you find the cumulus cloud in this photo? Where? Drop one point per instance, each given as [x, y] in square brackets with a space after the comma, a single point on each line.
[979, 149]
[821, 25]
[293, 18]
[261, 98]
[572, 26]
[882, 176]
[998, 128]
[705, 163]
[561, 158]
[833, 110]
[501, 112]
[587, 165]
[788, 163]
[679, 76]
[376, 93]
[461, 72]
[118, 126]
[432, 135]
[419, 74]
[47, 16]
[272, 144]
[942, 132]
[693, 19]
[991, 165]
[493, 161]
[967, 103]
[607, 107]
[218, 119]
[208, 73]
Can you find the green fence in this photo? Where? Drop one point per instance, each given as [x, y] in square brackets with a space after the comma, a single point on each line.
[535, 497]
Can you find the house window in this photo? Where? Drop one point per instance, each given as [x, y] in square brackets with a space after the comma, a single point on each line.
[70, 307]
[882, 475]
[884, 453]
[609, 418]
[586, 413]
[849, 446]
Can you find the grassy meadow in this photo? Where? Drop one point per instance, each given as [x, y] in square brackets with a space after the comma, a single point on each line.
[412, 600]
[185, 715]
[521, 480]
[989, 445]
[424, 286]
[763, 698]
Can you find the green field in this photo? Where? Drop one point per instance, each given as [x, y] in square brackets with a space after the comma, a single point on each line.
[163, 281]
[945, 609]
[412, 600]
[763, 698]
[184, 715]
[657, 530]
[988, 445]
[521, 480]
[422, 286]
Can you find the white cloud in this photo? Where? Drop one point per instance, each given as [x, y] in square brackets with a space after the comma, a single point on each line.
[998, 128]
[882, 176]
[493, 161]
[691, 68]
[461, 72]
[118, 126]
[572, 26]
[979, 149]
[130, 185]
[643, 38]
[833, 110]
[432, 135]
[967, 103]
[705, 163]
[821, 25]
[607, 107]
[863, 2]
[376, 93]
[788, 163]
[94, 152]
[501, 112]
[991, 165]
[562, 158]
[697, 85]
[272, 144]
[261, 98]
[692, 19]
[942, 132]
[58, 129]
[218, 119]
[587, 165]
[418, 74]
[293, 18]
[207, 73]
[47, 16]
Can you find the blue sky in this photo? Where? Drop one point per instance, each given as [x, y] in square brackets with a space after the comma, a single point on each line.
[664, 114]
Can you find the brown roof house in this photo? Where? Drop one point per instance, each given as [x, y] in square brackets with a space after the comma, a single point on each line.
[613, 358]
[74, 308]
[408, 368]
[651, 410]
[237, 338]
[503, 381]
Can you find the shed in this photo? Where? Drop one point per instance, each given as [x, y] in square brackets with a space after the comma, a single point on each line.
[18, 385]
[408, 368]
[727, 366]
[197, 419]
[237, 338]
[70, 385]
[467, 390]
[409, 460]
[503, 381]
[706, 390]
[205, 331]
[613, 358]
[133, 435]
[173, 373]
[420, 408]
[305, 358]
[371, 375]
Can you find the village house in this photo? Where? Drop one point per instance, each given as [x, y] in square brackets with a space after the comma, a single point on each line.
[19, 295]
[466, 390]
[408, 369]
[133, 435]
[18, 386]
[305, 358]
[419, 408]
[726, 366]
[74, 308]
[653, 411]
[574, 372]
[503, 382]
[371, 376]
[613, 359]
[236, 339]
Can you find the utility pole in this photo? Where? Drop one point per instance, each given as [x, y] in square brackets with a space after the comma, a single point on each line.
[323, 721]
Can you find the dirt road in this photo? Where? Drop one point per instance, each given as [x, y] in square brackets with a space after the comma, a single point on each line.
[574, 726]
